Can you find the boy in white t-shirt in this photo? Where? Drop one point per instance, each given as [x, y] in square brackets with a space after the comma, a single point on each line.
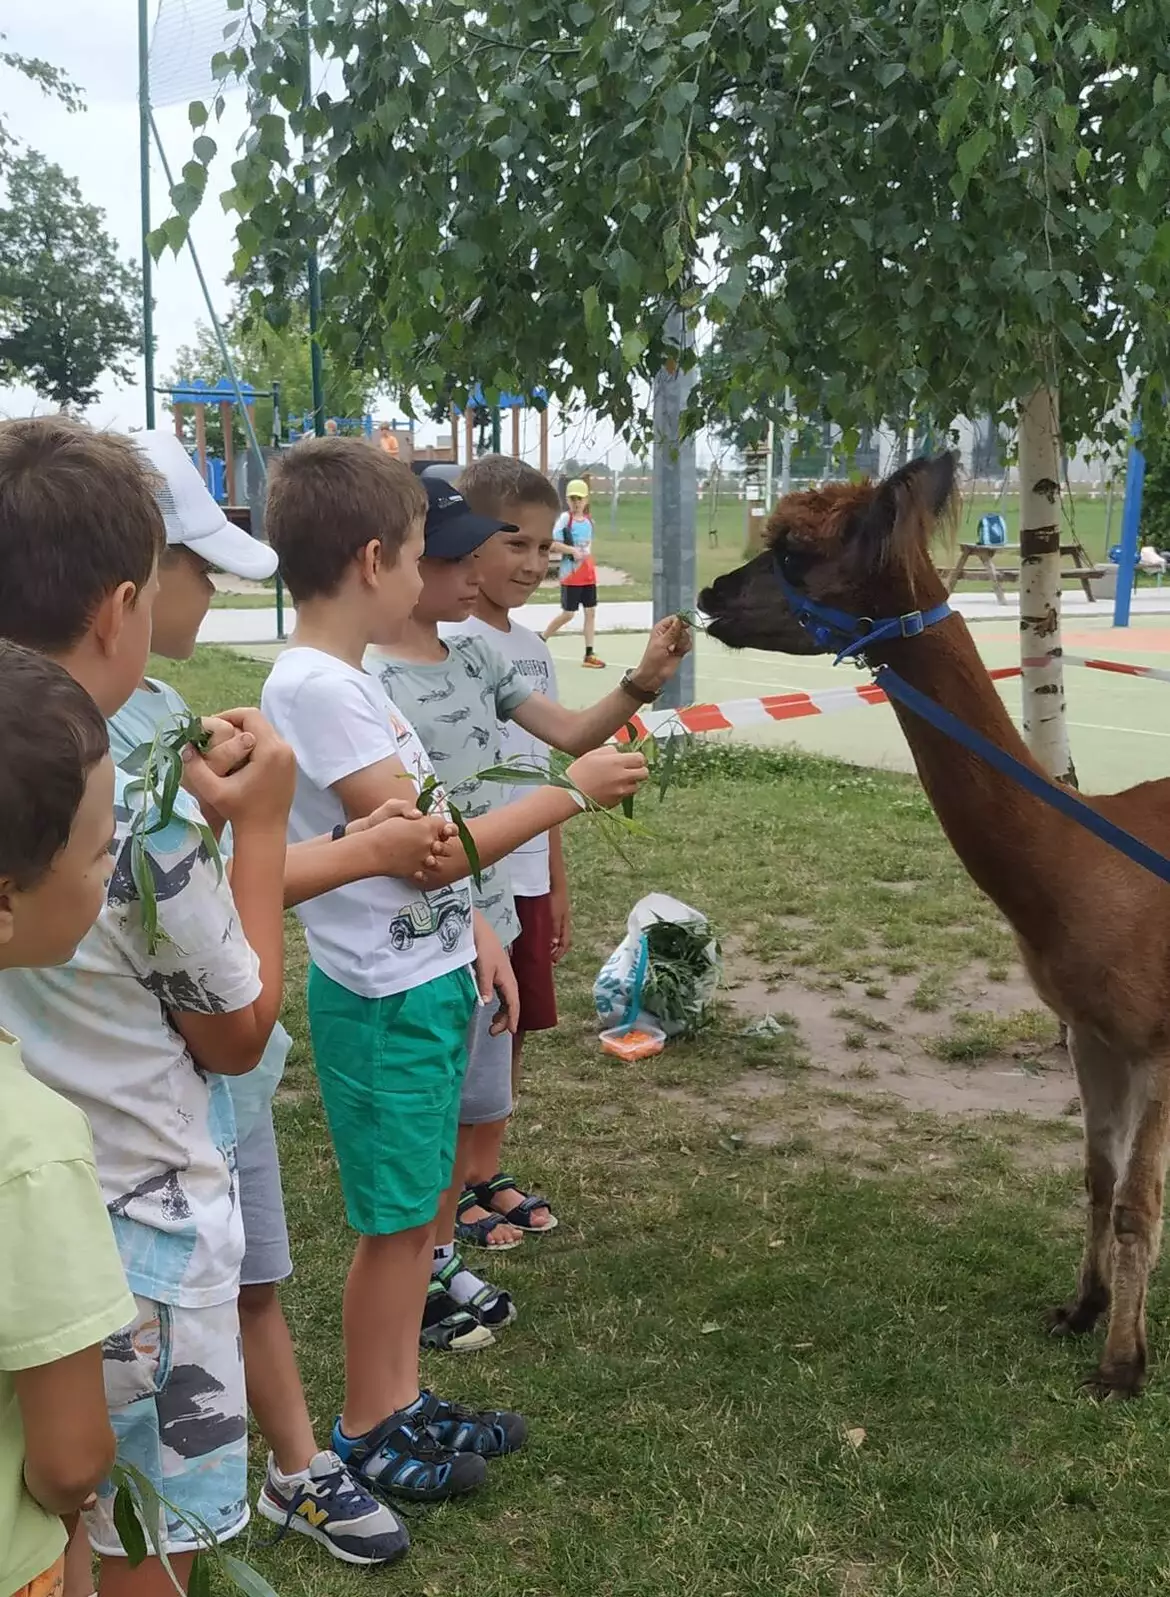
[141, 1030]
[391, 989]
[458, 694]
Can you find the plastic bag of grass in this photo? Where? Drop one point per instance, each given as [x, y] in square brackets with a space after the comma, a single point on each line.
[666, 969]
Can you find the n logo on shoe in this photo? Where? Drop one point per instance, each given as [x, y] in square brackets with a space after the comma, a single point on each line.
[310, 1511]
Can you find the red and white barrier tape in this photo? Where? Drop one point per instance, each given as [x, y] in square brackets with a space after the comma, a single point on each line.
[766, 710]
[775, 707]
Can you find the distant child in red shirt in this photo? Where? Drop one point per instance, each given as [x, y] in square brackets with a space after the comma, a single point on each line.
[573, 541]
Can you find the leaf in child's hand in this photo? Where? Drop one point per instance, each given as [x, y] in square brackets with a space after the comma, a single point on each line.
[666, 767]
[628, 806]
[129, 1527]
[211, 845]
[143, 878]
[153, 1513]
[199, 1582]
[427, 794]
[468, 843]
[245, 1578]
[631, 732]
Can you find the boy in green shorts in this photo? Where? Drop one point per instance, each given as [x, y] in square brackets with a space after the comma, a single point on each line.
[64, 1289]
[391, 989]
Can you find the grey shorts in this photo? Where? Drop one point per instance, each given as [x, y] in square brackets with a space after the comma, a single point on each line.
[266, 1254]
[487, 1086]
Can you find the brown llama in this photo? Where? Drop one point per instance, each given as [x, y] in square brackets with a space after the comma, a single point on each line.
[864, 549]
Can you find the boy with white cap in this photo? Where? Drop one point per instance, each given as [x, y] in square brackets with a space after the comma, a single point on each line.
[307, 1489]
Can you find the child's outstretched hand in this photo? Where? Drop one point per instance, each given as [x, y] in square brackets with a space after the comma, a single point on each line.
[404, 842]
[607, 775]
[668, 643]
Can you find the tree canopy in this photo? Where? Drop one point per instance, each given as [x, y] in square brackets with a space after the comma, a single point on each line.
[886, 207]
[69, 308]
[50, 79]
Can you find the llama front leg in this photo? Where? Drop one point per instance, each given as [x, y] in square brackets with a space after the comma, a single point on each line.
[1137, 1233]
[1106, 1112]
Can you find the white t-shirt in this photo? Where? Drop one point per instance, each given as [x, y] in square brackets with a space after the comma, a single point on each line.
[529, 656]
[97, 1030]
[379, 936]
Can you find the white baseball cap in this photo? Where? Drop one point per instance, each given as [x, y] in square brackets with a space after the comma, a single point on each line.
[192, 516]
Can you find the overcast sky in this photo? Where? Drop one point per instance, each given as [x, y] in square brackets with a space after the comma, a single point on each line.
[95, 43]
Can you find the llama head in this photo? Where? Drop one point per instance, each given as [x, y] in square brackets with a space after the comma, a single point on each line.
[863, 548]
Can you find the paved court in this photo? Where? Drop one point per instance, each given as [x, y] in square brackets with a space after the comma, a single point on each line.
[1119, 726]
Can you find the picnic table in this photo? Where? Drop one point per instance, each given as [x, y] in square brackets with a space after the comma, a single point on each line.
[1082, 571]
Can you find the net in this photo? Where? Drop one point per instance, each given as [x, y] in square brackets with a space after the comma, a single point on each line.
[186, 35]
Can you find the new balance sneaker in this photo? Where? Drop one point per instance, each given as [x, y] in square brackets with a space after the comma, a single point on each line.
[402, 1456]
[449, 1328]
[482, 1433]
[328, 1504]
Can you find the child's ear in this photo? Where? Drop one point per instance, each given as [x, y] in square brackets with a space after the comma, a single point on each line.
[7, 916]
[110, 617]
[370, 560]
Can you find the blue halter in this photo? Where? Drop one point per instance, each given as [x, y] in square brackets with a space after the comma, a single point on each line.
[848, 635]
[852, 635]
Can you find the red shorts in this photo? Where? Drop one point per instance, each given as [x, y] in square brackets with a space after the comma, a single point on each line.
[531, 956]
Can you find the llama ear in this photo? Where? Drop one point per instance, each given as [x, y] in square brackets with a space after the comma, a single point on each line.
[904, 509]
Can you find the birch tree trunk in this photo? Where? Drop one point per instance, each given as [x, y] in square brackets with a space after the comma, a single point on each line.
[1041, 652]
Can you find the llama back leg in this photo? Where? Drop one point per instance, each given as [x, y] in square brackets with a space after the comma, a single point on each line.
[1137, 1232]
[1107, 1113]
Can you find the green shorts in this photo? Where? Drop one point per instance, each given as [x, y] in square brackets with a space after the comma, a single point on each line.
[391, 1073]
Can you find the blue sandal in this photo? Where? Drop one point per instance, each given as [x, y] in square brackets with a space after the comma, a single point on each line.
[475, 1233]
[521, 1215]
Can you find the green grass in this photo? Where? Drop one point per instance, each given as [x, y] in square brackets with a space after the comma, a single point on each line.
[731, 1293]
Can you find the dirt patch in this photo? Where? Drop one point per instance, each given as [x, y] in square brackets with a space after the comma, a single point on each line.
[229, 584]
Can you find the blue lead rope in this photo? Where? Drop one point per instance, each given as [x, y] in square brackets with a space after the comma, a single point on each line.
[850, 636]
[1060, 798]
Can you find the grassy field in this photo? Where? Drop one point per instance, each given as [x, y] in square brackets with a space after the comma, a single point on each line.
[788, 1337]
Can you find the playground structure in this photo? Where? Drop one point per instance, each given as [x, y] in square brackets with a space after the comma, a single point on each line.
[517, 404]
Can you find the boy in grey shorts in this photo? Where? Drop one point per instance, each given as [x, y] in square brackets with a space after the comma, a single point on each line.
[456, 690]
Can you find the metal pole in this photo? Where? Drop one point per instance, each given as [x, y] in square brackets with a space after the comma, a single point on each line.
[495, 429]
[673, 510]
[1131, 516]
[314, 274]
[770, 469]
[144, 199]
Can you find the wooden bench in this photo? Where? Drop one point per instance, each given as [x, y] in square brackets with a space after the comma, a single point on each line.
[988, 570]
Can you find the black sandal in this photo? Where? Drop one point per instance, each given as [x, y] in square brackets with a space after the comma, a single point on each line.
[521, 1215]
[475, 1233]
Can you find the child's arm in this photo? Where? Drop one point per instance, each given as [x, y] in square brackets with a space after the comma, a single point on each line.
[574, 731]
[204, 973]
[558, 889]
[68, 1443]
[64, 1292]
[604, 775]
[395, 841]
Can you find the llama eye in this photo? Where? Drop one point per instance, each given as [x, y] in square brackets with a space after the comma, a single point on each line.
[794, 566]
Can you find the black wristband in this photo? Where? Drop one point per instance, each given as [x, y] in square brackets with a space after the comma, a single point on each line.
[338, 832]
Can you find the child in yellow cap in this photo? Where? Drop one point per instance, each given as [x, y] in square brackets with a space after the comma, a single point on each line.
[573, 541]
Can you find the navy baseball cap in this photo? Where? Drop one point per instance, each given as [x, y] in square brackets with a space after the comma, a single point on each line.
[453, 529]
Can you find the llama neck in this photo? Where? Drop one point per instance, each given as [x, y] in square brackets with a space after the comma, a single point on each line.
[1012, 844]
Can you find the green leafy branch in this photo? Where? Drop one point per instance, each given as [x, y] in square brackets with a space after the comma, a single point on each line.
[430, 793]
[157, 768]
[138, 1505]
